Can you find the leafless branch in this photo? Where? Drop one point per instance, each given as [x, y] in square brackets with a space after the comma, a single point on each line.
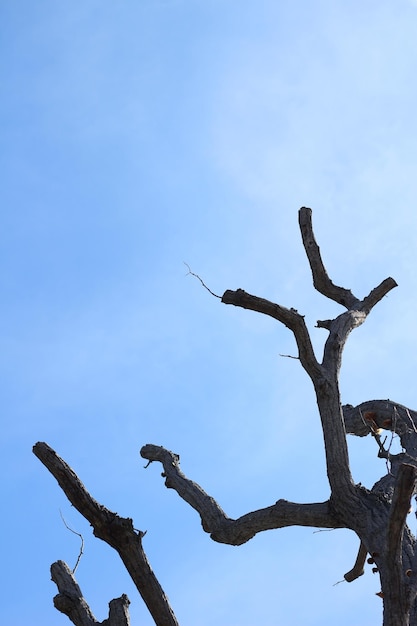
[321, 280]
[387, 415]
[289, 317]
[236, 531]
[117, 531]
[358, 568]
[325, 375]
[377, 294]
[201, 281]
[81, 552]
[71, 602]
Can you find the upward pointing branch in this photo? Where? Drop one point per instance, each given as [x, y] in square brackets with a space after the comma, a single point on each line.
[323, 375]
[321, 280]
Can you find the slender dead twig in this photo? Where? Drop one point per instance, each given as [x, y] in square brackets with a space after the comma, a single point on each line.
[82, 541]
[201, 281]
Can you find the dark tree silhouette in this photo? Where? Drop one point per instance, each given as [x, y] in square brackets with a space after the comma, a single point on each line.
[377, 516]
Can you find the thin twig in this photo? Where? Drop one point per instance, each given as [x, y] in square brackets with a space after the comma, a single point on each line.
[201, 281]
[82, 541]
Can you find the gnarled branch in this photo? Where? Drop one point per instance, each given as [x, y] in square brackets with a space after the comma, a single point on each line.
[117, 531]
[71, 602]
[236, 531]
[339, 329]
[378, 415]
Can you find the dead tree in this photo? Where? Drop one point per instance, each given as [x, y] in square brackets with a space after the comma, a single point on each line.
[377, 515]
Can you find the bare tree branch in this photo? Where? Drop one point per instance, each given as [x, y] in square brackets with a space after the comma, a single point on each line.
[377, 516]
[71, 602]
[386, 415]
[81, 552]
[321, 280]
[358, 568]
[221, 527]
[377, 294]
[325, 375]
[289, 317]
[117, 531]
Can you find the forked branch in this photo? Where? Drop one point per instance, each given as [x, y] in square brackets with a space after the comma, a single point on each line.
[117, 531]
[71, 602]
[321, 280]
[347, 505]
[324, 375]
[236, 531]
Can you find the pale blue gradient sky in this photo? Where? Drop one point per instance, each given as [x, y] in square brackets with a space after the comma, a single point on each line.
[136, 136]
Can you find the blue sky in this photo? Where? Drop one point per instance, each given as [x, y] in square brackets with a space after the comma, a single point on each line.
[137, 136]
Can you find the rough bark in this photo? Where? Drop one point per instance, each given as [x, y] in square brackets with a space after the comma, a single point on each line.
[71, 602]
[377, 515]
[117, 531]
[236, 531]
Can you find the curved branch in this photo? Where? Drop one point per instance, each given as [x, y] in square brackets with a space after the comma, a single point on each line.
[71, 602]
[289, 317]
[117, 531]
[321, 280]
[221, 527]
[358, 568]
[377, 415]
